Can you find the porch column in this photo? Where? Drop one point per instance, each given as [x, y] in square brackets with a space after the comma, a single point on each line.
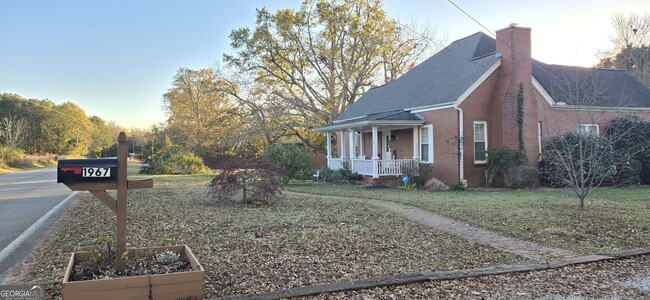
[351, 133]
[342, 145]
[375, 153]
[416, 143]
[361, 143]
[329, 148]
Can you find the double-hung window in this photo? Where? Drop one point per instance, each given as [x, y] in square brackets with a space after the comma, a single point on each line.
[588, 129]
[480, 142]
[426, 144]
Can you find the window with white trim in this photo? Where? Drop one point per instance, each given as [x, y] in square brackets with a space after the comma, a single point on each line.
[588, 129]
[426, 144]
[480, 142]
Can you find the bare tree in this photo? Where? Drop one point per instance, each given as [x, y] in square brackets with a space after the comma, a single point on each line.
[631, 46]
[313, 63]
[13, 131]
[584, 157]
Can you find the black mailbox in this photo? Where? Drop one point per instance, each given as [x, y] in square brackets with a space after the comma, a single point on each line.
[87, 170]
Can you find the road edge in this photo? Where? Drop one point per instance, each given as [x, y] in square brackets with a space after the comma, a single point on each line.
[29, 231]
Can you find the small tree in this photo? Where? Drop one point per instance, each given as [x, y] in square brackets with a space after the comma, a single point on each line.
[257, 179]
[580, 161]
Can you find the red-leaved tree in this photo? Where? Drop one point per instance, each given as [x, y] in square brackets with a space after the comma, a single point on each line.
[257, 179]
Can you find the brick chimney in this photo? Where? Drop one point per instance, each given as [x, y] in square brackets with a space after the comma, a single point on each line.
[514, 45]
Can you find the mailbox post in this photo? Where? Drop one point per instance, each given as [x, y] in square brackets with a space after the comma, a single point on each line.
[122, 157]
[99, 175]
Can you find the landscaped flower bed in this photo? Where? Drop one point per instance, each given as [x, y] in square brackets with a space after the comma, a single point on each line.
[150, 274]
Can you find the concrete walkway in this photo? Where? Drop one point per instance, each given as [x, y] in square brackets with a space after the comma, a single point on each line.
[529, 250]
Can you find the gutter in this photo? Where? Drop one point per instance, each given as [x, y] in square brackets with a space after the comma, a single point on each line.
[461, 150]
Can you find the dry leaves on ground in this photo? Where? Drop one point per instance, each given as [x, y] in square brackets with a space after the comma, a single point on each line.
[294, 242]
[621, 279]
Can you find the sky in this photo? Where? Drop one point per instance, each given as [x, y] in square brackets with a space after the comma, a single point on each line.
[115, 58]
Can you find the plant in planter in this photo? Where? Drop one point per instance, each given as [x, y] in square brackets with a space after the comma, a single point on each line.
[151, 273]
[147, 273]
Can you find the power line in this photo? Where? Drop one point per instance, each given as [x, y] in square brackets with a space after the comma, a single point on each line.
[468, 15]
[505, 43]
[442, 47]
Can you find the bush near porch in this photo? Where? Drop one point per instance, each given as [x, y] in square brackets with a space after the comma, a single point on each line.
[613, 219]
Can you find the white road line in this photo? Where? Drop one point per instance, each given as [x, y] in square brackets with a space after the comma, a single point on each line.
[23, 236]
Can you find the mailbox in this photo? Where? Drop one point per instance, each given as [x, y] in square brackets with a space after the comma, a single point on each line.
[102, 170]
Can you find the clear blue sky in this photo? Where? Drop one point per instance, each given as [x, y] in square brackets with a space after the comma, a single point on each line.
[116, 58]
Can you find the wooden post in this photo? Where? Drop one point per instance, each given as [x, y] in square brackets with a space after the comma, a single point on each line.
[118, 206]
[122, 186]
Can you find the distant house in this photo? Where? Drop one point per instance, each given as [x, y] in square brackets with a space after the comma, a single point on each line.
[453, 107]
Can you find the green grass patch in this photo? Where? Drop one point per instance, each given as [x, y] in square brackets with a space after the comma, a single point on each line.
[614, 218]
[169, 180]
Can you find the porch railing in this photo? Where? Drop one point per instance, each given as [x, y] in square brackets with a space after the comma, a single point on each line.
[362, 166]
[396, 166]
[392, 167]
[335, 163]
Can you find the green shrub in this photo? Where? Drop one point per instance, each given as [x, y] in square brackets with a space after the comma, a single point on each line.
[329, 175]
[174, 160]
[501, 159]
[10, 156]
[459, 186]
[519, 177]
[293, 158]
[347, 174]
[630, 138]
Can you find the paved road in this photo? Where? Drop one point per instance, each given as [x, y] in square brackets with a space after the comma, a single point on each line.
[27, 211]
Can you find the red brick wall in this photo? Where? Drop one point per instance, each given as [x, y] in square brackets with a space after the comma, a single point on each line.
[445, 149]
[403, 143]
[477, 107]
[559, 121]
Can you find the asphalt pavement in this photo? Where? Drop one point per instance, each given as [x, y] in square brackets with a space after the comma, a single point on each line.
[30, 202]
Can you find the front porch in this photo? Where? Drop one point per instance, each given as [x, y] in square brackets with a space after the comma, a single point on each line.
[375, 168]
[382, 145]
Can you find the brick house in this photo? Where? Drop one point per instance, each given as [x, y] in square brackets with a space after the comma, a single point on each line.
[451, 108]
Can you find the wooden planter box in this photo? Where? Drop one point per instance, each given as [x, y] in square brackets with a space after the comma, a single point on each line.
[182, 285]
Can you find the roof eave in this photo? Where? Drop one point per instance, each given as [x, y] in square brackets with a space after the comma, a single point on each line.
[478, 81]
[601, 108]
[332, 127]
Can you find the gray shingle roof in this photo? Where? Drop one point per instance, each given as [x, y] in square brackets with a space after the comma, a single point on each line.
[446, 75]
[396, 115]
[440, 79]
[591, 87]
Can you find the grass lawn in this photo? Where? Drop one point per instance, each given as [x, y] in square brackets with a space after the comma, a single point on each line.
[614, 219]
[296, 241]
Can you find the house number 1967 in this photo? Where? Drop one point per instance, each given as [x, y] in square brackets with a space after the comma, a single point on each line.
[96, 172]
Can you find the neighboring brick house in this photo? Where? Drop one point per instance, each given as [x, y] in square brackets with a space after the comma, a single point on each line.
[468, 91]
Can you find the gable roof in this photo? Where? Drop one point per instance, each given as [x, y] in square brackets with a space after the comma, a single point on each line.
[440, 79]
[581, 86]
[444, 77]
